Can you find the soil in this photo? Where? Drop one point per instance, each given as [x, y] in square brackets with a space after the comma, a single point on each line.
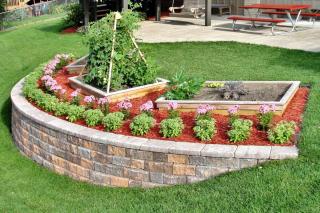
[294, 112]
[255, 92]
[69, 30]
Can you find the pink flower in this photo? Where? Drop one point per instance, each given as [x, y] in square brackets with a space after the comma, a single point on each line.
[75, 93]
[148, 106]
[50, 83]
[172, 105]
[55, 87]
[46, 78]
[204, 109]
[125, 104]
[264, 109]
[103, 101]
[89, 99]
[233, 109]
[63, 91]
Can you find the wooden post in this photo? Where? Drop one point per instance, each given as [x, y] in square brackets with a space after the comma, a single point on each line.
[158, 10]
[124, 5]
[86, 12]
[208, 13]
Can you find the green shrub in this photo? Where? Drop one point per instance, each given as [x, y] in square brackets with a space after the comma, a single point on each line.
[93, 117]
[113, 121]
[75, 15]
[171, 127]
[182, 88]
[265, 120]
[75, 113]
[240, 130]
[141, 124]
[205, 129]
[61, 109]
[282, 132]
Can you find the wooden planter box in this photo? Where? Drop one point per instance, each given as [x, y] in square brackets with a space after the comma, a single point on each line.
[77, 66]
[136, 92]
[246, 107]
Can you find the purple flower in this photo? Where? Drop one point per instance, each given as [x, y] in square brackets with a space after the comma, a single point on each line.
[89, 99]
[264, 109]
[172, 105]
[146, 107]
[233, 109]
[204, 109]
[125, 104]
[103, 101]
[75, 93]
[46, 78]
[50, 83]
[55, 87]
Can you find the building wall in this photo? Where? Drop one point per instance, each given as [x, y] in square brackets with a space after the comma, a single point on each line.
[315, 3]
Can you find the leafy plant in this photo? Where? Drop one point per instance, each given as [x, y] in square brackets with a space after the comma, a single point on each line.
[171, 127]
[282, 132]
[3, 5]
[75, 14]
[265, 116]
[113, 121]
[204, 112]
[240, 130]
[93, 117]
[205, 129]
[129, 69]
[141, 124]
[182, 88]
[215, 85]
[61, 109]
[75, 113]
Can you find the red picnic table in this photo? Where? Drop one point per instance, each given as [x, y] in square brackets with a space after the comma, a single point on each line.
[287, 8]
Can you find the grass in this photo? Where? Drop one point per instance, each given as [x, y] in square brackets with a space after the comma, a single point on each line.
[286, 186]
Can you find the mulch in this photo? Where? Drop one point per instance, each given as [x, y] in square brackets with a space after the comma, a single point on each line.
[294, 113]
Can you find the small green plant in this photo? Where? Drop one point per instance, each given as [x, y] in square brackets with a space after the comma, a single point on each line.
[171, 127]
[75, 113]
[62, 109]
[205, 129]
[265, 116]
[141, 124]
[233, 113]
[93, 117]
[282, 132]
[172, 110]
[240, 130]
[182, 88]
[75, 97]
[113, 121]
[75, 15]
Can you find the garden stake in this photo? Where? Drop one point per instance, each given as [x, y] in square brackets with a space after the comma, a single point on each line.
[117, 16]
[136, 46]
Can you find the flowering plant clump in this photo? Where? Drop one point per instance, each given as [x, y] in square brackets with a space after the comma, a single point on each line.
[233, 113]
[125, 107]
[75, 97]
[59, 61]
[282, 132]
[172, 109]
[62, 95]
[147, 108]
[171, 127]
[240, 130]
[89, 101]
[103, 104]
[205, 129]
[265, 116]
[50, 84]
[204, 111]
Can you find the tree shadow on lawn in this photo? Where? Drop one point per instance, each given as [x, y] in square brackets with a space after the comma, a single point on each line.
[53, 27]
[6, 113]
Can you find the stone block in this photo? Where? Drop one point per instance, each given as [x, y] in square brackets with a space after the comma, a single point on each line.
[114, 170]
[182, 169]
[118, 151]
[136, 174]
[284, 152]
[86, 163]
[135, 183]
[99, 167]
[220, 151]
[194, 179]
[186, 148]
[173, 179]
[138, 154]
[156, 177]
[154, 166]
[197, 160]
[255, 152]
[101, 158]
[156, 146]
[208, 171]
[84, 153]
[119, 181]
[160, 157]
[137, 164]
[222, 162]
[245, 163]
[100, 178]
[180, 159]
[121, 161]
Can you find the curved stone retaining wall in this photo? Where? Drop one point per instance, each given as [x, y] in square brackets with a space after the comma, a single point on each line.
[115, 160]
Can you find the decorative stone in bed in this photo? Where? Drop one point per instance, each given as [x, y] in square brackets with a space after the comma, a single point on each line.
[249, 96]
[110, 159]
[135, 92]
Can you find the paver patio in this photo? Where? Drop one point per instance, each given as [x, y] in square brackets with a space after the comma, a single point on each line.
[176, 29]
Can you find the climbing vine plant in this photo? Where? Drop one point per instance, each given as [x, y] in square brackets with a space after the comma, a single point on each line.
[129, 67]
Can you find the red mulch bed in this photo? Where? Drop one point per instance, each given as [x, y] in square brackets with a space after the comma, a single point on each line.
[69, 30]
[294, 112]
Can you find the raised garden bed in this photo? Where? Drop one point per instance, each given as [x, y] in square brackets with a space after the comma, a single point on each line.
[258, 93]
[76, 82]
[78, 66]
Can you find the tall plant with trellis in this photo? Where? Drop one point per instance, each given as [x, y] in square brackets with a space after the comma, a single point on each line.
[115, 60]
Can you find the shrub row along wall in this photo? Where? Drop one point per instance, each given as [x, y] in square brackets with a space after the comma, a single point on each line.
[115, 160]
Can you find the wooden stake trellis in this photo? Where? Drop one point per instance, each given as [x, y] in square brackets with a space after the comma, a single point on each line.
[117, 16]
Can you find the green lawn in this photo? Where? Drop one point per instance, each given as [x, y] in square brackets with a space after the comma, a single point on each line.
[287, 186]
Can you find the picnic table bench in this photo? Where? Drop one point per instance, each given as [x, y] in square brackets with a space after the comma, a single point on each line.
[313, 16]
[273, 22]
